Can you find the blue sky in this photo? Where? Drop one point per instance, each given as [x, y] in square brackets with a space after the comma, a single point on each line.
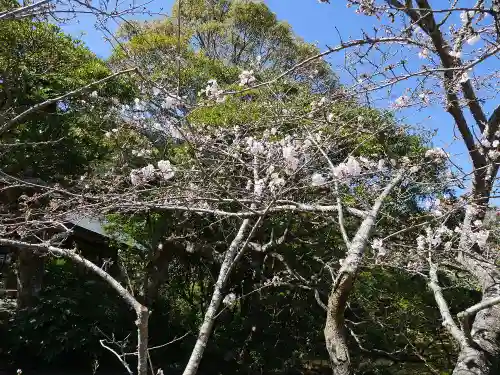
[315, 22]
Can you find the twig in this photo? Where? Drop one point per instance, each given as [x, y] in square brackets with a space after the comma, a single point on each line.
[122, 361]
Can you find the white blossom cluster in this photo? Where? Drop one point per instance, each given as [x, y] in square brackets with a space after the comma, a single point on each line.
[214, 92]
[142, 175]
[434, 207]
[142, 153]
[443, 236]
[490, 146]
[229, 299]
[272, 164]
[275, 281]
[148, 173]
[110, 133]
[276, 182]
[366, 7]
[171, 102]
[316, 105]
[434, 238]
[424, 53]
[351, 168]
[246, 78]
[401, 102]
[378, 246]
[480, 237]
[437, 155]
[167, 169]
[467, 16]
[317, 179]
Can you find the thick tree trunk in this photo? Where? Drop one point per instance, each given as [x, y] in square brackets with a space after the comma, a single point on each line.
[29, 277]
[482, 355]
[142, 340]
[335, 335]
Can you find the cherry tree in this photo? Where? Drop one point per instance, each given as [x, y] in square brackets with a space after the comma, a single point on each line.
[452, 42]
[300, 158]
[254, 172]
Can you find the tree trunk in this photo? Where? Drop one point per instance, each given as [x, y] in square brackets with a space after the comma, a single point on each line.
[335, 335]
[142, 340]
[482, 357]
[29, 277]
[217, 297]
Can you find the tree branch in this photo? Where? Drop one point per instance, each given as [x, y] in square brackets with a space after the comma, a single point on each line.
[448, 321]
[26, 11]
[5, 127]
[465, 316]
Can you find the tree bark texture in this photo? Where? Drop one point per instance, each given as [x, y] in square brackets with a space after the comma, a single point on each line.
[29, 278]
[215, 302]
[142, 340]
[335, 330]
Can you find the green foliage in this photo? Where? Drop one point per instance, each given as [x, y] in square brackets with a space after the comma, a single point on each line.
[68, 321]
[38, 62]
[399, 315]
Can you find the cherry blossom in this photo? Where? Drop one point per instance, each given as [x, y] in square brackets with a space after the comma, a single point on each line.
[424, 53]
[494, 154]
[171, 102]
[465, 16]
[378, 246]
[481, 238]
[464, 77]
[351, 168]
[276, 182]
[259, 187]
[401, 102]
[290, 156]
[212, 91]
[246, 77]
[166, 169]
[317, 179]
[229, 299]
[438, 155]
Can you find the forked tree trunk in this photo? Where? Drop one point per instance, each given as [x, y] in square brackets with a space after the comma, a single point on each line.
[483, 357]
[335, 330]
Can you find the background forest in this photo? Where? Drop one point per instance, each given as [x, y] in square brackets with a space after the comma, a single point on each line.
[213, 198]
